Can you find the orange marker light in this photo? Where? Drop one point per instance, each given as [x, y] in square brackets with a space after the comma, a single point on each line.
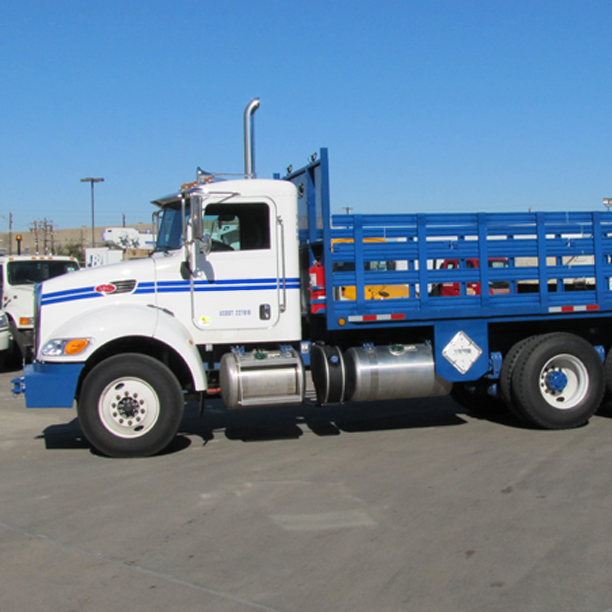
[74, 347]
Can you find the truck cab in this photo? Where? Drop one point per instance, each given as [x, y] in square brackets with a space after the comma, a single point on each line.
[18, 276]
[230, 272]
[216, 305]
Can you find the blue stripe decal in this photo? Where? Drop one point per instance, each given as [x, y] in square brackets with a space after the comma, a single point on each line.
[70, 298]
[182, 286]
[69, 292]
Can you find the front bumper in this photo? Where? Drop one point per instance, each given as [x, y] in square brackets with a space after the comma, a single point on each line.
[51, 385]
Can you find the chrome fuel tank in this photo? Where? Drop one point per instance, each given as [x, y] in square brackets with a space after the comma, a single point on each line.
[392, 372]
[262, 378]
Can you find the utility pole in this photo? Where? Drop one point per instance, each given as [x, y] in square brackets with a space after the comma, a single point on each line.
[48, 235]
[92, 181]
[10, 233]
[45, 249]
[34, 226]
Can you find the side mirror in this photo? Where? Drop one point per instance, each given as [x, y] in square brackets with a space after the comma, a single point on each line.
[197, 221]
[197, 225]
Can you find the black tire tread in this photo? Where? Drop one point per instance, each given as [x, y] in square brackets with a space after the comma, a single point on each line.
[169, 392]
[528, 399]
[505, 377]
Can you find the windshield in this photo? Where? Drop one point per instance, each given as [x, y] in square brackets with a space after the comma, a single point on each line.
[170, 234]
[37, 271]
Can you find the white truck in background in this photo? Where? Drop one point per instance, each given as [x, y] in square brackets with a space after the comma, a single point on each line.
[19, 274]
[4, 338]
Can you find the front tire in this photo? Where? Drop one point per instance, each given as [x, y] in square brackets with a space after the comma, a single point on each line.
[130, 405]
[558, 381]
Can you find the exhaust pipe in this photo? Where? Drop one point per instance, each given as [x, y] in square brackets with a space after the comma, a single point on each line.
[249, 145]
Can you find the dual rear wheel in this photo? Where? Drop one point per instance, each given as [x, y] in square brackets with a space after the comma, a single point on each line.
[554, 381]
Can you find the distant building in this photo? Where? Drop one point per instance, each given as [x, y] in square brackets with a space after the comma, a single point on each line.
[48, 240]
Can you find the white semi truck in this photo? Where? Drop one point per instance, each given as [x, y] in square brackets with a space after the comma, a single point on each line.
[244, 292]
[19, 274]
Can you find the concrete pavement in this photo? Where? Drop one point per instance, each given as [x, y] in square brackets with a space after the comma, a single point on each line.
[405, 506]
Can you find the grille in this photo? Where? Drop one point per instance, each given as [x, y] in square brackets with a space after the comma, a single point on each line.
[124, 286]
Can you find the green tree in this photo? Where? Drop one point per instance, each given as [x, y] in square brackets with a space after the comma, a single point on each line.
[72, 249]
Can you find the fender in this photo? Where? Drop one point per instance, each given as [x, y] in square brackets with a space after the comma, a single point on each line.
[103, 325]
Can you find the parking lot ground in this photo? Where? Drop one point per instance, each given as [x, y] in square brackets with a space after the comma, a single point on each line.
[410, 505]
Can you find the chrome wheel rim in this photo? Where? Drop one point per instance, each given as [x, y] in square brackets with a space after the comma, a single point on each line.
[128, 407]
[564, 382]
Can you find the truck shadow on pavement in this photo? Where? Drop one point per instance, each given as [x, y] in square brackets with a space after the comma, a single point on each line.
[291, 422]
[261, 424]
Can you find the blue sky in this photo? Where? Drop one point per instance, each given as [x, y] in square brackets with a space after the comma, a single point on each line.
[425, 105]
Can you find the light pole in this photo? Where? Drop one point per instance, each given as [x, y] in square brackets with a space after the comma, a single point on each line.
[92, 181]
[607, 202]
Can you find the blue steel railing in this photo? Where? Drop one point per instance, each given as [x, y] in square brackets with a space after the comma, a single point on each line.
[547, 261]
[552, 260]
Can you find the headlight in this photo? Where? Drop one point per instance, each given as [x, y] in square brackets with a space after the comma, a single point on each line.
[3, 321]
[65, 346]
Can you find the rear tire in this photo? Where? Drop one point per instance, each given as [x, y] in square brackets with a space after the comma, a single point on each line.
[130, 406]
[558, 381]
[505, 376]
[608, 373]
[13, 359]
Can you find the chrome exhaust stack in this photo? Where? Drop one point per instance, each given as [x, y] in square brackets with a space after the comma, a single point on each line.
[249, 144]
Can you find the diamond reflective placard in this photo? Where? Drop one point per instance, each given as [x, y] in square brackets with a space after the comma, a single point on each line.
[462, 352]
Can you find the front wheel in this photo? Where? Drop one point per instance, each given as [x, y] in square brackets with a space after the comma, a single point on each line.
[558, 381]
[130, 406]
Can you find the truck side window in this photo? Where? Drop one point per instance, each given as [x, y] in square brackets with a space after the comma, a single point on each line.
[170, 230]
[238, 227]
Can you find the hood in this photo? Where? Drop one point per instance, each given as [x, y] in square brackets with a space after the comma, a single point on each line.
[124, 276]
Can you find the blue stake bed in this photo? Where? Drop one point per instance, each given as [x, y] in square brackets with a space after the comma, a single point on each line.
[451, 273]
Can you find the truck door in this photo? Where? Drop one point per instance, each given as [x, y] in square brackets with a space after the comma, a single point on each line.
[238, 285]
